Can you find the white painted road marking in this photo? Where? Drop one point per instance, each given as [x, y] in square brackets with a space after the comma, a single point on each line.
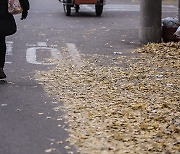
[31, 54]
[9, 45]
[33, 49]
[8, 62]
[9, 51]
[42, 44]
[129, 8]
[73, 52]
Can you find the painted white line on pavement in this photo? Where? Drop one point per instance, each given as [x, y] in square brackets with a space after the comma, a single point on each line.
[42, 44]
[112, 7]
[129, 8]
[73, 52]
[31, 45]
[7, 62]
[9, 50]
[31, 54]
[89, 7]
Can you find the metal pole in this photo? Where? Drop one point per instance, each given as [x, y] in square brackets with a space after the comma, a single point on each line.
[150, 21]
[179, 12]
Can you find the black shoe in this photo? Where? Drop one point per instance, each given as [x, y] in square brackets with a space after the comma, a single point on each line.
[2, 74]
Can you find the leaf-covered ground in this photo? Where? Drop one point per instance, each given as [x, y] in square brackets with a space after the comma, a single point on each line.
[117, 104]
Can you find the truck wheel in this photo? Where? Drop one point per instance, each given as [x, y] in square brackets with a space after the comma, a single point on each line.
[99, 10]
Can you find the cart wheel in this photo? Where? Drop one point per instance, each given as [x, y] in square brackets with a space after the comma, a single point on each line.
[67, 9]
[99, 10]
[77, 8]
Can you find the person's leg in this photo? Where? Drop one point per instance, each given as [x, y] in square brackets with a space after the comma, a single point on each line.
[2, 56]
[2, 51]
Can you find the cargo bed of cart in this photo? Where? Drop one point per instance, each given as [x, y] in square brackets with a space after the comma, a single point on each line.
[68, 4]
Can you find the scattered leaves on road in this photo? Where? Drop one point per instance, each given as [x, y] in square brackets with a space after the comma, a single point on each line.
[130, 105]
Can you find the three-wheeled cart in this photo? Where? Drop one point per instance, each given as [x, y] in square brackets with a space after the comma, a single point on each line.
[68, 4]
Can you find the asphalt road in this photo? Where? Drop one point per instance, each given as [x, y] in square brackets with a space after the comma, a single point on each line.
[28, 122]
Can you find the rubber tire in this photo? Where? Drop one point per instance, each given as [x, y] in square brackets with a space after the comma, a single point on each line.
[99, 10]
[67, 10]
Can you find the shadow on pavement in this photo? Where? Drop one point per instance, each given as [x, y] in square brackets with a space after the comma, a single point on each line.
[2, 82]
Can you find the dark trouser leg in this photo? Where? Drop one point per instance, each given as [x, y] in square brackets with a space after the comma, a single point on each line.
[2, 51]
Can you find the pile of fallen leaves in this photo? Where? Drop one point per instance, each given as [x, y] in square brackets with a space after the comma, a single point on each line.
[128, 108]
